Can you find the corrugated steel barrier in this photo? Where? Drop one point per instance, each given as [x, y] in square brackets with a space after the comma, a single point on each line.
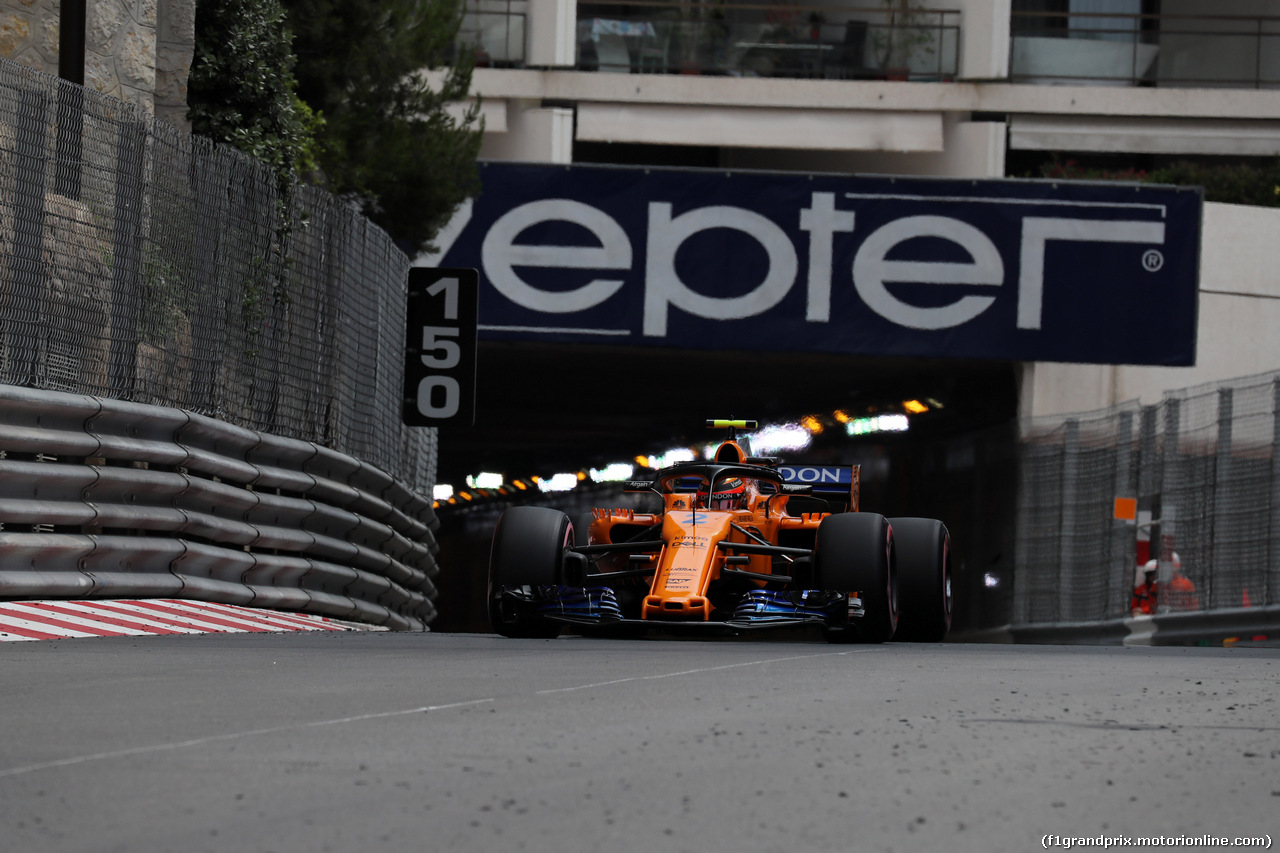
[101, 498]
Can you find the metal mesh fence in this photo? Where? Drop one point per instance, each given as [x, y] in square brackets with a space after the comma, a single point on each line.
[1204, 468]
[141, 263]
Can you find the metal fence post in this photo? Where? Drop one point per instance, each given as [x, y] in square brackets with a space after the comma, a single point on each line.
[1069, 518]
[1123, 534]
[1273, 561]
[210, 174]
[31, 153]
[70, 142]
[1172, 479]
[126, 257]
[1150, 470]
[1223, 574]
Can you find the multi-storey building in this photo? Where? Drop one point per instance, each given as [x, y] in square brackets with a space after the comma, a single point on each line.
[950, 88]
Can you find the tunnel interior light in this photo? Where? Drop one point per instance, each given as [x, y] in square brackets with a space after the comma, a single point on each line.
[672, 456]
[485, 480]
[613, 473]
[773, 438]
[558, 482]
[878, 423]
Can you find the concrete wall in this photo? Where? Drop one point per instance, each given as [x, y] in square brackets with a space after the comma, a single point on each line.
[984, 38]
[1239, 316]
[969, 150]
[531, 134]
[29, 33]
[175, 43]
[136, 50]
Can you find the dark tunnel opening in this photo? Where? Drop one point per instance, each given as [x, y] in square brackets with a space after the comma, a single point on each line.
[544, 409]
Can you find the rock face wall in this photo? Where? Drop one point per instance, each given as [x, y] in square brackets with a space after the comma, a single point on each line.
[136, 50]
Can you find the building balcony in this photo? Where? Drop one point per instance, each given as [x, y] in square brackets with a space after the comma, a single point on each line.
[1167, 50]
[936, 92]
[1191, 49]
[735, 40]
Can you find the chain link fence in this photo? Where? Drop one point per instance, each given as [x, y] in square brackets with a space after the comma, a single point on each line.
[1203, 466]
[144, 264]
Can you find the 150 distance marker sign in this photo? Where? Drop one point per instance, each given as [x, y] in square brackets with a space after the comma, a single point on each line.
[440, 347]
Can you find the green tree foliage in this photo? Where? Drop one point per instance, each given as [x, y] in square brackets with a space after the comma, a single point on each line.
[1234, 183]
[241, 86]
[387, 139]
[1231, 183]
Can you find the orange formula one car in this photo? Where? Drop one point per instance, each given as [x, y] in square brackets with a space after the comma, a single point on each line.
[726, 552]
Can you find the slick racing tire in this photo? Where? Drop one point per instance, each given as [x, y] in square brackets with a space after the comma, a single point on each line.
[528, 551]
[924, 579]
[854, 552]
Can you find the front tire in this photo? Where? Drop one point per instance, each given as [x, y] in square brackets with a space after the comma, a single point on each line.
[528, 551]
[924, 574]
[854, 552]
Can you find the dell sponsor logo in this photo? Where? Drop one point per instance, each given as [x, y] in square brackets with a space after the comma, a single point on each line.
[824, 222]
[811, 475]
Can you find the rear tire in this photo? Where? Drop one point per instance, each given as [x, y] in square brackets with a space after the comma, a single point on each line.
[528, 550]
[854, 552]
[924, 577]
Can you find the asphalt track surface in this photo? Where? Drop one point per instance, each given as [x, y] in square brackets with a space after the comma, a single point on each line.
[424, 742]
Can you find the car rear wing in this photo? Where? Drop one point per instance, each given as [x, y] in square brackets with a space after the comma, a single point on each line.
[841, 482]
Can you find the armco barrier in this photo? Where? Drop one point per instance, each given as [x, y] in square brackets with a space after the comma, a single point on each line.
[101, 498]
[1166, 629]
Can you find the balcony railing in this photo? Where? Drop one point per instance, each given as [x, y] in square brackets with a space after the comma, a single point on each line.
[734, 39]
[1095, 48]
[766, 40]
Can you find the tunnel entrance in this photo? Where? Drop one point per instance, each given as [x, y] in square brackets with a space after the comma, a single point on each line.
[547, 408]
[619, 307]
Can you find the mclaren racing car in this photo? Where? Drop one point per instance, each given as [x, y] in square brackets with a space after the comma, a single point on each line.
[740, 543]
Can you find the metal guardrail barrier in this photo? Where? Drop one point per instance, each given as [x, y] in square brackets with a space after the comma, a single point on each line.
[101, 498]
[1207, 627]
[200, 376]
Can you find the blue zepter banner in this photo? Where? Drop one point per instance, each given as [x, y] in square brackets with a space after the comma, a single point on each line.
[927, 268]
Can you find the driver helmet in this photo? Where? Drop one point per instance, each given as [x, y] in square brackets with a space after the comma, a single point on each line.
[730, 493]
